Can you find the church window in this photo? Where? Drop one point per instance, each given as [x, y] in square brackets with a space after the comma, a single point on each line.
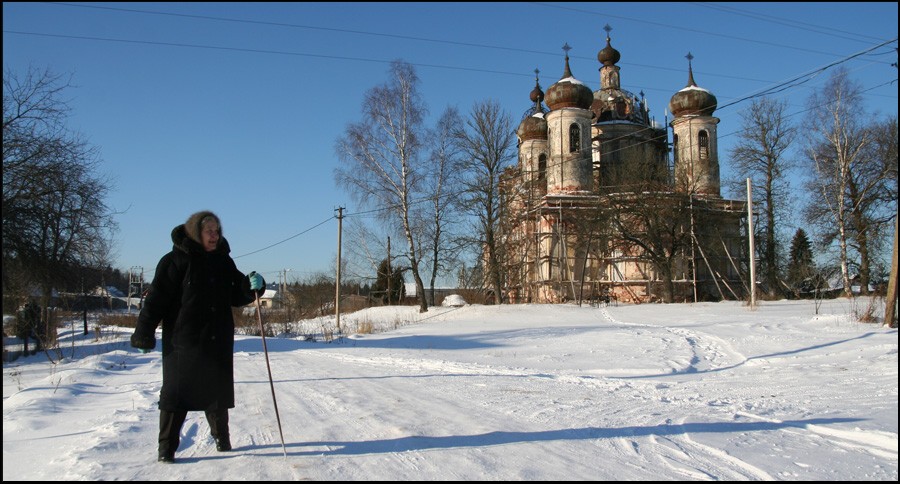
[704, 145]
[675, 147]
[574, 138]
[542, 167]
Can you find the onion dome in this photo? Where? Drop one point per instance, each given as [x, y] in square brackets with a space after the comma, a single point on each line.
[534, 126]
[537, 95]
[608, 56]
[692, 100]
[569, 92]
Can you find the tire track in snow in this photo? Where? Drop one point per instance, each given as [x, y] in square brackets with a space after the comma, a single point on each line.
[708, 353]
[882, 444]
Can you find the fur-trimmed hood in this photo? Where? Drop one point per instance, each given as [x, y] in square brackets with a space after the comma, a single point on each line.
[192, 225]
[186, 237]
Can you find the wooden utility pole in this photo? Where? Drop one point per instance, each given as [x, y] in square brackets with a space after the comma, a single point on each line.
[752, 250]
[283, 288]
[891, 299]
[337, 286]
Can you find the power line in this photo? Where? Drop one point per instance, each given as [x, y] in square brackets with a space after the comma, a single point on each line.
[285, 240]
[678, 27]
[269, 246]
[795, 81]
[470, 44]
[819, 29]
[425, 39]
[790, 115]
[311, 27]
[258, 51]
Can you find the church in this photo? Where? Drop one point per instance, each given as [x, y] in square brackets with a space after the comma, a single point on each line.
[597, 209]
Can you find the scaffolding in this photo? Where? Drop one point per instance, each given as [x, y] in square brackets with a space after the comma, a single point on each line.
[559, 250]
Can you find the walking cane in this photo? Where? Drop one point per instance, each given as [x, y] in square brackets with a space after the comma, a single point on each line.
[262, 331]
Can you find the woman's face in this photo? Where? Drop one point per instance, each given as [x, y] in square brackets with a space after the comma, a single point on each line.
[209, 234]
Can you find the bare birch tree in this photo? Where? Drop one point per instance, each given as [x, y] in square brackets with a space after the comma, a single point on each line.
[381, 165]
[848, 176]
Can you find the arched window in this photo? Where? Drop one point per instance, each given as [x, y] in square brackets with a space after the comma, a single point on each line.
[542, 167]
[675, 148]
[704, 145]
[574, 138]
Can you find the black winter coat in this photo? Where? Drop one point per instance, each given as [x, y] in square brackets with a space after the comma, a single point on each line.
[192, 294]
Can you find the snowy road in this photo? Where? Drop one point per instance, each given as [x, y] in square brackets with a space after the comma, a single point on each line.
[512, 393]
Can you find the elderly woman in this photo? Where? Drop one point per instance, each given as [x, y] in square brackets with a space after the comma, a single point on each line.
[192, 293]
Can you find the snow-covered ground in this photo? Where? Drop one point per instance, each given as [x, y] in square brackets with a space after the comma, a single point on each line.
[525, 392]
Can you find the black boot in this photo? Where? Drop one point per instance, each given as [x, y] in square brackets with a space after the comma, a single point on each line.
[169, 434]
[218, 428]
[223, 445]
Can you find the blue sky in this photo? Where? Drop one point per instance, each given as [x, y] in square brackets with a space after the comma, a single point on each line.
[236, 107]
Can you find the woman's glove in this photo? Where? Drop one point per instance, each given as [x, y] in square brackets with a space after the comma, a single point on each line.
[143, 343]
[256, 281]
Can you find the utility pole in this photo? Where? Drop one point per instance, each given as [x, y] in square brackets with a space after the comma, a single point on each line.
[130, 286]
[283, 287]
[390, 275]
[337, 288]
[752, 251]
[693, 242]
[891, 299]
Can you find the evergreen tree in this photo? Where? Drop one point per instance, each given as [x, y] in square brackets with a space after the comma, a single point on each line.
[389, 284]
[800, 268]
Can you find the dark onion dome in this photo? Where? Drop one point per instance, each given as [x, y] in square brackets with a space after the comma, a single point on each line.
[537, 96]
[692, 100]
[608, 56]
[534, 126]
[569, 92]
